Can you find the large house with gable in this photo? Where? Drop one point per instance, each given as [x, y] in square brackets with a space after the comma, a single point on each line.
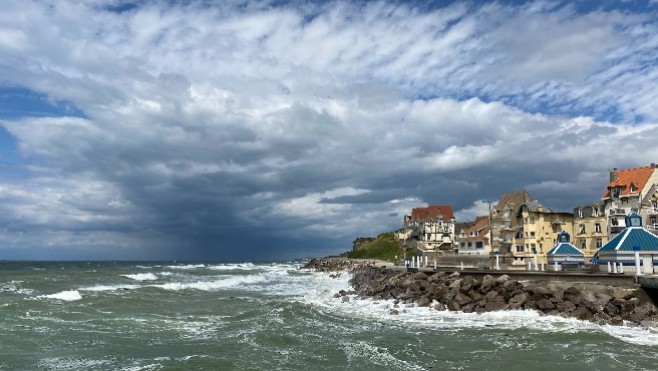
[631, 191]
[432, 226]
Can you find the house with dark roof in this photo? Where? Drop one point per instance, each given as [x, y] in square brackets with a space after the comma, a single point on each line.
[473, 239]
[634, 237]
[631, 191]
[564, 253]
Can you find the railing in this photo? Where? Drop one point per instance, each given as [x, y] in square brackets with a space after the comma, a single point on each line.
[653, 226]
[652, 211]
[618, 212]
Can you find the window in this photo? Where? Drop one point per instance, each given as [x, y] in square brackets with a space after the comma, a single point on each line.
[519, 248]
[599, 243]
[633, 189]
[463, 244]
[614, 222]
[470, 244]
[583, 244]
[581, 229]
[533, 247]
[624, 201]
[519, 234]
[580, 213]
[532, 220]
[479, 245]
[615, 192]
[597, 227]
[532, 234]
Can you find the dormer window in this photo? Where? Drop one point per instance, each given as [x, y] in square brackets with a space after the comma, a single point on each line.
[633, 189]
[615, 192]
[580, 213]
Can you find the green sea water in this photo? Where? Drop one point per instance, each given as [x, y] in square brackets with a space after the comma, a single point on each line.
[213, 316]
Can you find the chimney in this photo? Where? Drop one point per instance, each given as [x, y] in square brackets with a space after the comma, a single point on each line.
[614, 175]
[654, 166]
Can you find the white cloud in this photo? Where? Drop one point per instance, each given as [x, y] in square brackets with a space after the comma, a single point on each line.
[328, 120]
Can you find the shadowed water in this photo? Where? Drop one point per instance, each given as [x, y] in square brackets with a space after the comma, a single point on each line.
[158, 316]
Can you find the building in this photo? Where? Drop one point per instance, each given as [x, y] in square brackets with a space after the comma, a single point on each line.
[564, 254]
[433, 227]
[474, 238]
[502, 230]
[631, 191]
[589, 228]
[536, 228]
[522, 228]
[634, 237]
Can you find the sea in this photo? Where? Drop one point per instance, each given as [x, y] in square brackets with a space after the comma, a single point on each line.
[273, 316]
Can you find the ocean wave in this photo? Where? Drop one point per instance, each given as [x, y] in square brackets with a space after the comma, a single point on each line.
[232, 267]
[226, 283]
[320, 291]
[141, 276]
[70, 295]
[187, 266]
[103, 288]
[15, 286]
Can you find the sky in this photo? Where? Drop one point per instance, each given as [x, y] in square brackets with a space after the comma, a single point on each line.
[268, 130]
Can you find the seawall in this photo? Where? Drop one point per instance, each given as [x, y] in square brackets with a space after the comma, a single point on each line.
[613, 302]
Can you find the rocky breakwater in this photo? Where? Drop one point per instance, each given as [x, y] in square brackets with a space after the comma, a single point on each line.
[443, 291]
[333, 265]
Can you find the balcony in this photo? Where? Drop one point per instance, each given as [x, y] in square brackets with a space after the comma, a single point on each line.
[652, 211]
[617, 212]
[617, 229]
[653, 227]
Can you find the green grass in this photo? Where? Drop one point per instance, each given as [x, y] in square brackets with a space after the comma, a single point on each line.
[384, 247]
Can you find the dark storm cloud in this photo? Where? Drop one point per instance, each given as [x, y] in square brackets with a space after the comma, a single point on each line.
[230, 132]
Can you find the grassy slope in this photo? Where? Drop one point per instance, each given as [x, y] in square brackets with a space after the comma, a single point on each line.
[384, 247]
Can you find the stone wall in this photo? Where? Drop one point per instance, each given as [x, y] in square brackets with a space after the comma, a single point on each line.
[444, 291]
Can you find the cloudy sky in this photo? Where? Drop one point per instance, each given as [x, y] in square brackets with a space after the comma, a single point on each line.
[272, 130]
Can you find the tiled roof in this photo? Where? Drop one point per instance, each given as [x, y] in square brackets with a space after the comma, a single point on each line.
[480, 227]
[432, 212]
[638, 177]
[632, 236]
[512, 199]
[564, 248]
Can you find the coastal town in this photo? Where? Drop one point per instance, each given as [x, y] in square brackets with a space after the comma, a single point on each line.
[519, 232]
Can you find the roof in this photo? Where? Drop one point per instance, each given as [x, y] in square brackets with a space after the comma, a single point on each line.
[637, 177]
[480, 227]
[535, 207]
[564, 248]
[512, 200]
[432, 212]
[632, 236]
[588, 211]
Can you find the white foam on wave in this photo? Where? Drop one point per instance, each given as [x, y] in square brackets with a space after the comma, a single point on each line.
[232, 267]
[215, 285]
[70, 295]
[141, 276]
[187, 266]
[320, 289]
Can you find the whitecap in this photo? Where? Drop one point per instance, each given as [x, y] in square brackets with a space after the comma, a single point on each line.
[232, 267]
[141, 276]
[221, 284]
[186, 267]
[71, 295]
